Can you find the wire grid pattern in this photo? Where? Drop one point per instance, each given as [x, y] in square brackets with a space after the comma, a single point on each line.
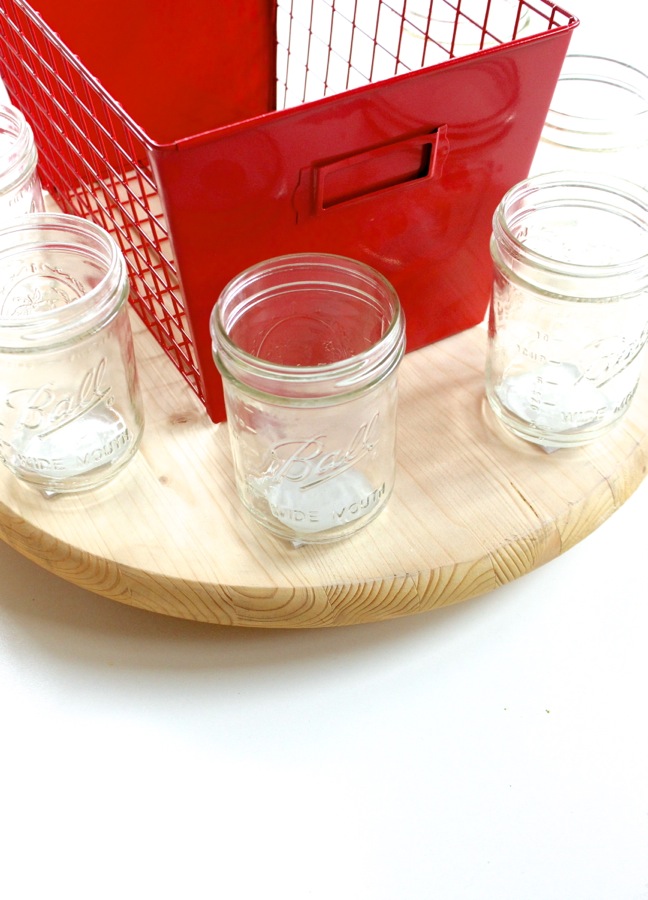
[92, 157]
[328, 46]
[92, 161]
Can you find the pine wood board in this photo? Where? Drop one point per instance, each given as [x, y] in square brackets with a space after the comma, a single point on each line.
[472, 509]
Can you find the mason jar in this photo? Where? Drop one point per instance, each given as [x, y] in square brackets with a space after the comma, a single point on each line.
[597, 120]
[70, 408]
[20, 188]
[308, 346]
[568, 318]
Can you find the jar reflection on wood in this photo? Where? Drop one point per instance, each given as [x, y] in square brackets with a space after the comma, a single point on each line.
[20, 188]
[597, 120]
[308, 346]
[569, 313]
[70, 407]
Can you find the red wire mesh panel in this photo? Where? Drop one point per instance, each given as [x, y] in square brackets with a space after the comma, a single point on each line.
[328, 46]
[206, 137]
[92, 159]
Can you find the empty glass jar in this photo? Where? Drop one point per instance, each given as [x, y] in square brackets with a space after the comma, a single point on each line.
[20, 188]
[308, 346]
[597, 120]
[568, 318]
[70, 408]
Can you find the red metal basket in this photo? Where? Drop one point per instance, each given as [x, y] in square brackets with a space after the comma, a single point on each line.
[209, 136]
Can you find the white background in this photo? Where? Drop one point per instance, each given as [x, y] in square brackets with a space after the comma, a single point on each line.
[496, 750]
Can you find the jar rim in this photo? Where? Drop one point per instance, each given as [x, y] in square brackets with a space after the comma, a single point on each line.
[566, 186]
[614, 122]
[87, 311]
[352, 371]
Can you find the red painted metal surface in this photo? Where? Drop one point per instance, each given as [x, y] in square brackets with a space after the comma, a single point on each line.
[390, 149]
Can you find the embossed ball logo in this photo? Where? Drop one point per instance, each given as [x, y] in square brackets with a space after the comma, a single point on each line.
[37, 288]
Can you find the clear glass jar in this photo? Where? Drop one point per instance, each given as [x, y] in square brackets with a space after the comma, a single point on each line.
[70, 407]
[308, 346]
[568, 319]
[20, 188]
[597, 120]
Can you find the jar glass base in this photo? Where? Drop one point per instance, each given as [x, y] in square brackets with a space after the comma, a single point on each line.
[80, 468]
[326, 518]
[550, 440]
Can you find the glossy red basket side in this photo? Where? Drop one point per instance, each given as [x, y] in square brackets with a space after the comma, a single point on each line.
[158, 120]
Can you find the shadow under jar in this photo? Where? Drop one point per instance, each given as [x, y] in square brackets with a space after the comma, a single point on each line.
[70, 408]
[568, 318]
[308, 346]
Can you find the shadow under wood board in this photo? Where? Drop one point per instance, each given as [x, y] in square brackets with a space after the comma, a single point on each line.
[472, 509]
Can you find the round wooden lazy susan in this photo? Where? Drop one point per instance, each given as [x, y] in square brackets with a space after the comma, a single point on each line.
[472, 509]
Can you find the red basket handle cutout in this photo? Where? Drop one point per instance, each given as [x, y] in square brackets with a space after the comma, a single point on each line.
[361, 176]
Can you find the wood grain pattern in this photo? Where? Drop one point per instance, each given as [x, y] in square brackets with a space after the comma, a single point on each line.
[472, 509]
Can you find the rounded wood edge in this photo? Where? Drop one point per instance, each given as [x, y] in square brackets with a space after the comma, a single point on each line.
[333, 604]
[546, 505]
